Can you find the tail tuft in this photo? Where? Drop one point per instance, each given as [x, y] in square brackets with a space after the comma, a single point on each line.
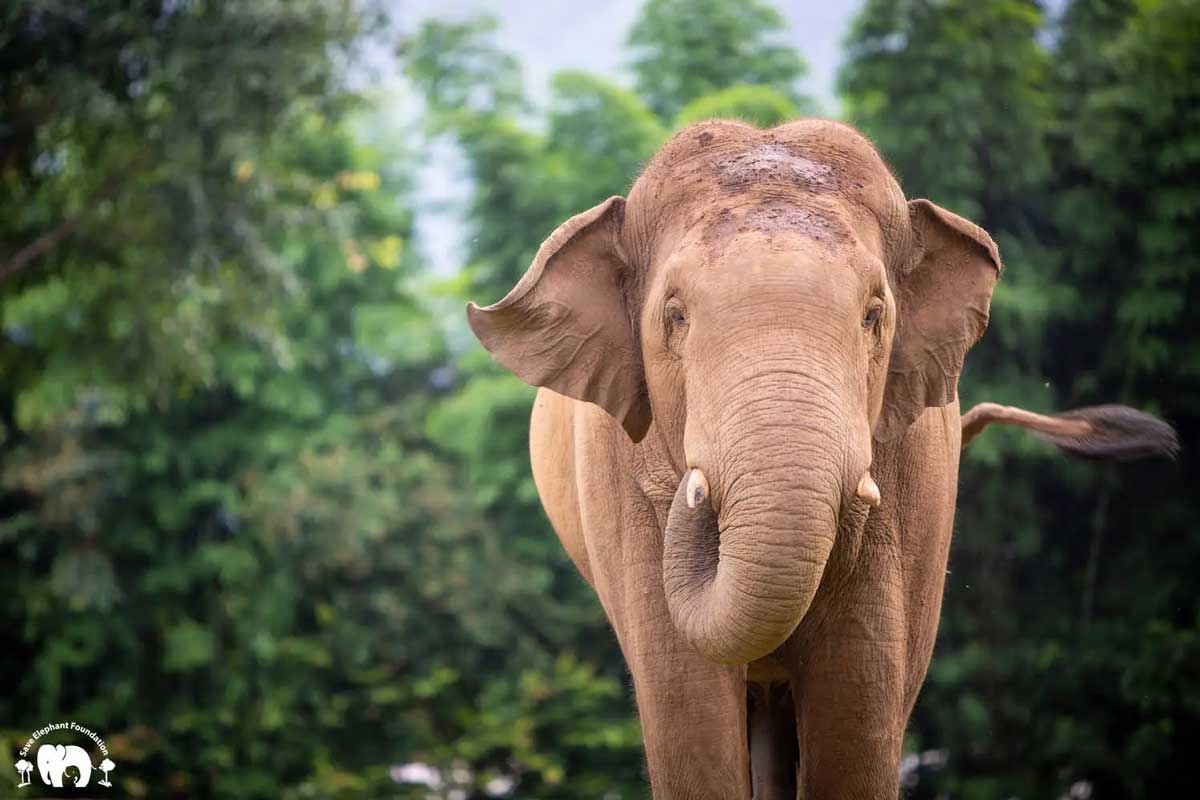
[1117, 433]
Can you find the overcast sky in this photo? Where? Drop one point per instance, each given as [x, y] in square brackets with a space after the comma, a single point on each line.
[550, 35]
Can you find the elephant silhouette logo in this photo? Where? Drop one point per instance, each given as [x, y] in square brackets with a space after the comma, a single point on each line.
[61, 765]
[55, 759]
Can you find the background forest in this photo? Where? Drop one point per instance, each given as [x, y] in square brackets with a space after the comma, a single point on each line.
[266, 518]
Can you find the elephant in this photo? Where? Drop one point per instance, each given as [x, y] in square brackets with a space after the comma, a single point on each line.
[747, 437]
[54, 759]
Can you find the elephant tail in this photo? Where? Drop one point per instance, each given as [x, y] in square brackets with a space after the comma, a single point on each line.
[1109, 432]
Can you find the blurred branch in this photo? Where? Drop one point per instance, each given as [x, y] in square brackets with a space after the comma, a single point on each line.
[52, 238]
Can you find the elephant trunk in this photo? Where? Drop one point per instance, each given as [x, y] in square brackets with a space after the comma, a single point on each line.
[738, 583]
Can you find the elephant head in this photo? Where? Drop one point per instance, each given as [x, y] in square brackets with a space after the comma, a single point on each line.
[54, 759]
[770, 301]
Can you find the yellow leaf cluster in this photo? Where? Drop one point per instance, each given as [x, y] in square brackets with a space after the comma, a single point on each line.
[358, 180]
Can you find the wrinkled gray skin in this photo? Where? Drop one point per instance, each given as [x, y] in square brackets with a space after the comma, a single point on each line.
[768, 311]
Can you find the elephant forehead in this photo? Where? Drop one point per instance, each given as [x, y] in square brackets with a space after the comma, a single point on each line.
[813, 221]
[818, 178]
[768, 163]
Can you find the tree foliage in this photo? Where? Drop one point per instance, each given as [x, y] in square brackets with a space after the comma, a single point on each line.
[124, 128]
[685, 49]
[759, 105]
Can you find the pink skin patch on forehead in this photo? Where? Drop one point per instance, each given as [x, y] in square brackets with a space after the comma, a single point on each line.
[774, 163]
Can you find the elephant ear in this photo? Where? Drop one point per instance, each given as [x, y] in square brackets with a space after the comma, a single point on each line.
[567, 324]
[942, 295]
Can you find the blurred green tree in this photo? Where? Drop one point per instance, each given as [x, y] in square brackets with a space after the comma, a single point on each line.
[221, 579]
[1127, 189]
[760, 105]
[124, 132]
[684, 49]
[212, 381]
[954, 94]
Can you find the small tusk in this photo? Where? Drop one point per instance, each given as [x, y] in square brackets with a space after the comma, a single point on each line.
[697, 488]
[868, 490]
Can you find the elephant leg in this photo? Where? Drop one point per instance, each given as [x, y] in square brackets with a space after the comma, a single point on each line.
[694, 730]
[849, 676]
[692, 711]
[849, 725]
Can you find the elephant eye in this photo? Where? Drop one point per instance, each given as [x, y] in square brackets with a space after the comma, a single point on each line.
[676, 324]
[874, 312]
[675, 314]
